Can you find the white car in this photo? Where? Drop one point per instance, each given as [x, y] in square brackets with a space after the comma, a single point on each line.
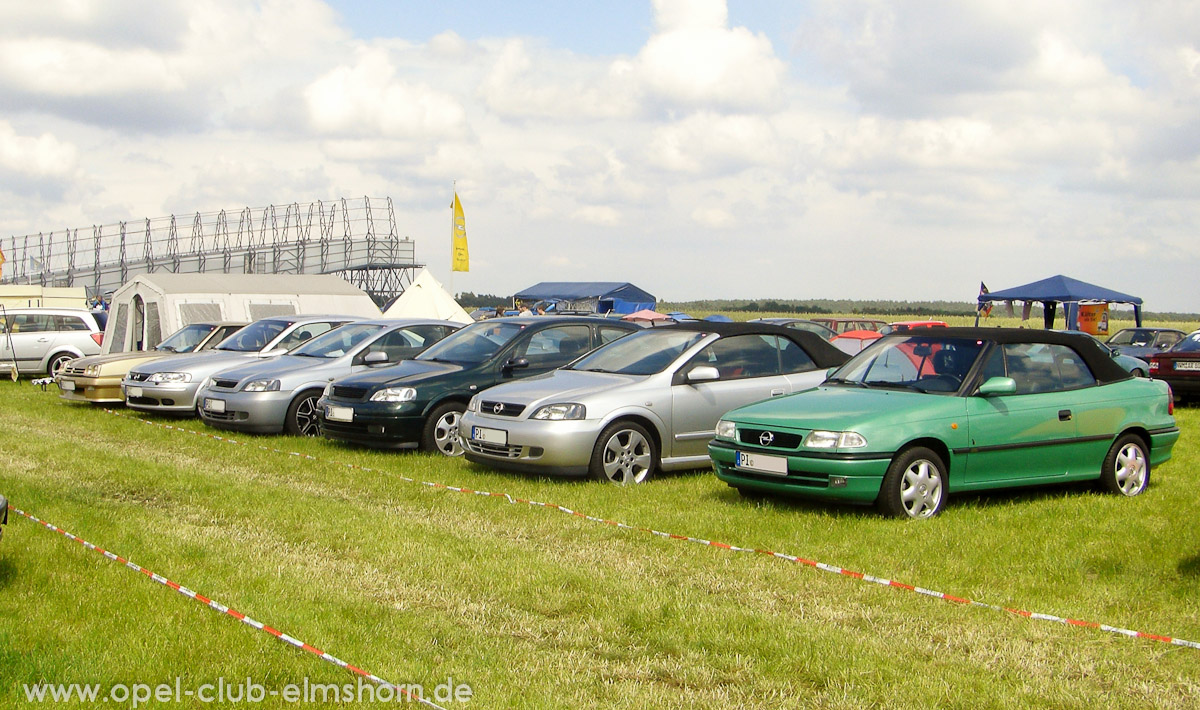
[42, 340]
[645, 402]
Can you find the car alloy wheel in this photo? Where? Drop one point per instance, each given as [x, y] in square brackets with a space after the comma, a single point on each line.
[302, 415]
[58, 362]
[1126, 467]
[624, 453]
[441, 430]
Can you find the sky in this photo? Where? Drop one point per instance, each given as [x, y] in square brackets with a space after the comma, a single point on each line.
[701, 149]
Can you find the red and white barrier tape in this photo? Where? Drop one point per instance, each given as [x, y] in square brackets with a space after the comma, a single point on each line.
[231, 612]
[685, 538]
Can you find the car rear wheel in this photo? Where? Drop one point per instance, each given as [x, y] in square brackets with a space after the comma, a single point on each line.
[58, 362]
[1126, 467]
[441, 430]
[302, 415]
[624, 453]
[914, 485]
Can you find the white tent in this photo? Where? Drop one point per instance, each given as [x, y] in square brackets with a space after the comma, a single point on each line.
[149, 307]
[425, 298]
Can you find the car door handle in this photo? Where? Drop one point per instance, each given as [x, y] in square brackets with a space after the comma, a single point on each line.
[1064, 415]
[43, 340]
[776, 393]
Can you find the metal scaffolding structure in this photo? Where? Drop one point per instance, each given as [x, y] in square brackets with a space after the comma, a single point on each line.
[355, 239]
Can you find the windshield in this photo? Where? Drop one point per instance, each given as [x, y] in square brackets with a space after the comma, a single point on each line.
[642, 353]
[1190, 344]
[473, 344]
[336, 342]
[186, 338]
[255, 336]
[920, 362]
[1130, 336]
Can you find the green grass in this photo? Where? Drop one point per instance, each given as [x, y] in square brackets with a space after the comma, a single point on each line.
[535, 608]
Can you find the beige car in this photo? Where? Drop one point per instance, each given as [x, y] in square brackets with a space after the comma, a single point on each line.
[97, 378]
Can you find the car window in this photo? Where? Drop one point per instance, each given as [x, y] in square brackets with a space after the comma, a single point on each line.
[927, 363]
[642, 353]
[304, 333]
[556, 346]
[185, 339]
[70, 323]
[404, 343]
[334, 343]
[1046, 367]
[475, 343]
[255, 336]
[607, 335]
[1166, 339]
[741, 356]
[793, 358]
[32, 323]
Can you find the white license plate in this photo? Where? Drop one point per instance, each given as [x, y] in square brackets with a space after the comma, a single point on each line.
[1187, 365]
[214, 405]
[133, 391]
[490, 436]
[66, 385]
[339, 414]
[774, 465]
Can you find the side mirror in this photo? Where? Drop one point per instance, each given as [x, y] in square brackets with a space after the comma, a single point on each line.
[703, 373]
[375, 357]
[516, 363]
[998, 385]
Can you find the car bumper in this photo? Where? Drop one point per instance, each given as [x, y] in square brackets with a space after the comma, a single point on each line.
[167, 399]
[79, 388]
[383, 425]
[255, 412]
[853, 479]
[1188, 385]
[562, 447]
[1162, 441]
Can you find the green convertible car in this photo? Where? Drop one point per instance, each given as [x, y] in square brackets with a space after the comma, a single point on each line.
[919, 415]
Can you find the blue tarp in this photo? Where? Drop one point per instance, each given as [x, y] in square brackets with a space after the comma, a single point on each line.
[1062, 289]
[599, 296]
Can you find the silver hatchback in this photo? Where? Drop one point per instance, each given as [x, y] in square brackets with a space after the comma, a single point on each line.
[646, 402]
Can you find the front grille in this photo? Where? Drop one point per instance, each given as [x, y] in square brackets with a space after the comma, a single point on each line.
[220, 416]
[351, 429]
[480, 447]
[344, 392]
[144, 401]
[139, 376]
[779, 439]
[225, 384]
[73, 370]
[506, 409]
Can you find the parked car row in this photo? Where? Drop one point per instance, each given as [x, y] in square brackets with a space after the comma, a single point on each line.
[923, 412]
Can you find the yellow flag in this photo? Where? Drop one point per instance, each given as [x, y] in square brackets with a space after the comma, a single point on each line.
[460, 258]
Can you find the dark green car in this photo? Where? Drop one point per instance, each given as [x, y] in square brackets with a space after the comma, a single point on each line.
[918, 416]
[418, 402]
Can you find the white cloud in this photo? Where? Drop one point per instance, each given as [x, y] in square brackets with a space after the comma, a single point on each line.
[35, 163]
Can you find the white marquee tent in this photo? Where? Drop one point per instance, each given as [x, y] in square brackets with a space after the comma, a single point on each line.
[426, 298]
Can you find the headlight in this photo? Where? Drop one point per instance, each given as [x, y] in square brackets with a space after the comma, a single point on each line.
[161, 377]
[560, 412]
[394, 394]
[261, 386]
[726, 430]
[818, 439]
[91, 370]
[473, 405]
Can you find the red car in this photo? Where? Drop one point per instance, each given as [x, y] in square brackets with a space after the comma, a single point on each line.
[1180, 367]
[842, 325]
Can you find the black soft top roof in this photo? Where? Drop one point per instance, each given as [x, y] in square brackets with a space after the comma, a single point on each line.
[1098, 358]
[819, 349]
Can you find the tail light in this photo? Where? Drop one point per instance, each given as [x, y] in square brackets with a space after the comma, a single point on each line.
[98, 337]
[1170, 401]
[1154, 366]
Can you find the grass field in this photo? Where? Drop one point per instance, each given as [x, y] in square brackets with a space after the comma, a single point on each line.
[532, 607]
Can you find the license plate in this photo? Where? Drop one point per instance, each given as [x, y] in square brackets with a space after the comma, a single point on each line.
[339, 414]
[133, 391]
[774, 465]
[66, 385]
[1187, 365]
[490, 436]
[214, 405]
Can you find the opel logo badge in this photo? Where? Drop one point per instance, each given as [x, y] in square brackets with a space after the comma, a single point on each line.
[765, 438]
[498, 408]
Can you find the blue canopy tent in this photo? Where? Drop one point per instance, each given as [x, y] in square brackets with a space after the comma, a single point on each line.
[1061, 289]
[595, 296]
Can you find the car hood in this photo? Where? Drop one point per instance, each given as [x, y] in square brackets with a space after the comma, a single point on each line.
[838, 407]
[142, 355]
[561, 386]
[406, 372]
[207, 362]
[275, 367]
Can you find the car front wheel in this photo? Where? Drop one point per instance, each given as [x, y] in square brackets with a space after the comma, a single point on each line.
[58, 362]
[914, 485]
[1126, 467]
[441, 430]
[302, 415]
[624, 453]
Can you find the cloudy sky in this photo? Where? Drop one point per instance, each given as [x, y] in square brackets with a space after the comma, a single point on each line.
[698, 148]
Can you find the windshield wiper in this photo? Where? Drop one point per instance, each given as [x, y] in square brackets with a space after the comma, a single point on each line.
[844, 381]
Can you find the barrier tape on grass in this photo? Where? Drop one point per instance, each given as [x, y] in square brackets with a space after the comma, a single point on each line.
[710, 543]
[231, 612]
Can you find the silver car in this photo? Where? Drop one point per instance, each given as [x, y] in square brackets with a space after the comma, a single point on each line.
[281, 394]
[646, 402]
[171, 386]
[44, 340]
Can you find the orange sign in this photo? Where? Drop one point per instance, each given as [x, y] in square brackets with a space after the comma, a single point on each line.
[1093, 318]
